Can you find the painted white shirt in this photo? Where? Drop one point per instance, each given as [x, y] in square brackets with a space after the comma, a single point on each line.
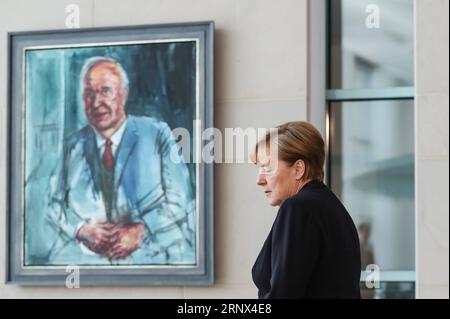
[115, 139]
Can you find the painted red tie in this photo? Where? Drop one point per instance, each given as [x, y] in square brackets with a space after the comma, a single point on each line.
[108, 160]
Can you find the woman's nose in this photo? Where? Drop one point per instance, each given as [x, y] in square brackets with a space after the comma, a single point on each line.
[261, 179]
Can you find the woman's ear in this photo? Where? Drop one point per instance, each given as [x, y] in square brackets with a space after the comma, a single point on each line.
[299, 167]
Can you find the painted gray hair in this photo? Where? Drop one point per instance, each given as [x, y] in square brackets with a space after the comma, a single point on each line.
[89, 63]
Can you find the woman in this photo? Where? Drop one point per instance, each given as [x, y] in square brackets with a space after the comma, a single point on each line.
[312, 250]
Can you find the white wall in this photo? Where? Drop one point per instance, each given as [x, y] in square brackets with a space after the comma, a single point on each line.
[432, 133]
[261, 79]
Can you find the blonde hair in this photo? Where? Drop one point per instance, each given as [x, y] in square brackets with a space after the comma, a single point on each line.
[298, 141]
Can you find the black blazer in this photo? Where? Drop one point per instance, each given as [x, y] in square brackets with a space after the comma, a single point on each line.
[312, 250]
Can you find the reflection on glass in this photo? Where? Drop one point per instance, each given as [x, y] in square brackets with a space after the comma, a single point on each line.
[366, 56]
[389, 290]
[372, 172]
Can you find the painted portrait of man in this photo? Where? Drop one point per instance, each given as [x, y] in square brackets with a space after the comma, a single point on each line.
[114, 193]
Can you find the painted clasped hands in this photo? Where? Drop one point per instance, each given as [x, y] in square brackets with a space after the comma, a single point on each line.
[111, 240]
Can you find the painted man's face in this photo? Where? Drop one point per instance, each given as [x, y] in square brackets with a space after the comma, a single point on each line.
[104, 98]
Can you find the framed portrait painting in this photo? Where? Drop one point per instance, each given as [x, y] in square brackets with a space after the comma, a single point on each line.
[104, 137]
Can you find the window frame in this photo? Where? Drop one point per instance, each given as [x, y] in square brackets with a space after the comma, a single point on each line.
[319, 52]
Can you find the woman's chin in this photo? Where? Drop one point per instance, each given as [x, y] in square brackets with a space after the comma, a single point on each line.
[274, 202]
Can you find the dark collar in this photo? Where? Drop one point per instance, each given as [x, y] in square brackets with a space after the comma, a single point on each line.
[313, 184]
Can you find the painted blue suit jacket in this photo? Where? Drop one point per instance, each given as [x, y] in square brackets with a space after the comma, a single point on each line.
[151, 185]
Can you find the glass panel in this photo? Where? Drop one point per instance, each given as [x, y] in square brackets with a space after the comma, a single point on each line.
[389, 290]
[372, 172]
[371, 43]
